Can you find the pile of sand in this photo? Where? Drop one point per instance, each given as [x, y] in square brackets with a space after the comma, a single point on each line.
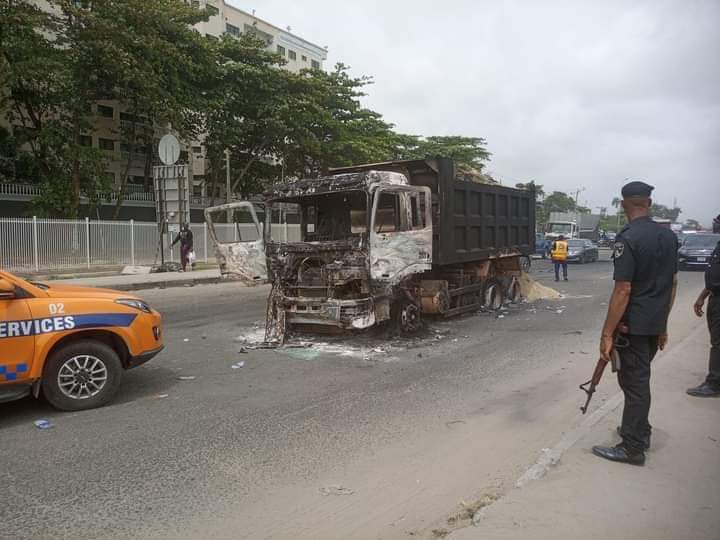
[532, 290]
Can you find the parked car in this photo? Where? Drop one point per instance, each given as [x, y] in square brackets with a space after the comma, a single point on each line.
[582, 251]
[696, 250]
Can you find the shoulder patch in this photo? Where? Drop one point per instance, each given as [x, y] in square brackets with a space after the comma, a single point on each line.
[618, 250]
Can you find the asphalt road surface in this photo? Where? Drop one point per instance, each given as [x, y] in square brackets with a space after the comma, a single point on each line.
[351, 437]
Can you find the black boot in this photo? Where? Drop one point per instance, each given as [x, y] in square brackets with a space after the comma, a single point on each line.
[620, 454]
[704, 390]
[646, 439]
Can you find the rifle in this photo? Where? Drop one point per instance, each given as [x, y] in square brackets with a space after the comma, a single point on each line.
[589, 386]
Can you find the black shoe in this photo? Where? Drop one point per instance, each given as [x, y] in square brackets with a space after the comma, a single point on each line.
[646, 439]
[704, 390]
[565, 279]
[620, 454]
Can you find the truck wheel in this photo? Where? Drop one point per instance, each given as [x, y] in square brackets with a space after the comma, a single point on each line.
[406, 317]
[525, 264]
[82, 375]
[494, 296]
[513, 291]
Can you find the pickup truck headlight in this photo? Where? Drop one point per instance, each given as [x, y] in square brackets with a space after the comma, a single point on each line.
[134, 303]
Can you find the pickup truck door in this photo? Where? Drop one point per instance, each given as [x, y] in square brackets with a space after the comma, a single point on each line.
[239, 243]
[400, 232]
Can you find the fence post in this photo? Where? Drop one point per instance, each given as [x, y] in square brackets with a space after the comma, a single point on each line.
[35, 245]
[87, 240]
[132, 242]
[205, 240]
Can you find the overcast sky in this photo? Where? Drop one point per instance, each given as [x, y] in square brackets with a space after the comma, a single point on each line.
[576, 94]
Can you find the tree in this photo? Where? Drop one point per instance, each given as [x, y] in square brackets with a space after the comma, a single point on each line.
[692, 225]
[39, 89]
[662, 211]
[558, 201]
[145, 55]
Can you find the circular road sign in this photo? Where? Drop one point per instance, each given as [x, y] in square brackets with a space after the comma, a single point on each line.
[169, 149]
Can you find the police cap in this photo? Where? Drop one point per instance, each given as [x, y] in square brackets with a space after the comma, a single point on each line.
[636, 189]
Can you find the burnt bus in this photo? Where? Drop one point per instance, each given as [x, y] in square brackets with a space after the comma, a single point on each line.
[382, 241]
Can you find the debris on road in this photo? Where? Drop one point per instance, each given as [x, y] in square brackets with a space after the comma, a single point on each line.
[335, 490]
[238, 365]
[43, 424]
[186, 340]
[532, 290]
[161, 396]
[573, 333]
[186, 378]
[242, 350]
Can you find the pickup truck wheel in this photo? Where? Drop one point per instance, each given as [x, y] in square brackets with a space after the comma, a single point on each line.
[494, 296]
[82, 375]
[406, 317]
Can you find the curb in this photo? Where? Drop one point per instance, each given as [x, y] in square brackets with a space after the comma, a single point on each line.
[191, 282]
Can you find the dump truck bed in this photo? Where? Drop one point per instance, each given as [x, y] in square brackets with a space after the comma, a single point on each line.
[471, 221]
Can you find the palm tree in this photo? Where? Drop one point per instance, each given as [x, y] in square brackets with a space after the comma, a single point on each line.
[616, 204]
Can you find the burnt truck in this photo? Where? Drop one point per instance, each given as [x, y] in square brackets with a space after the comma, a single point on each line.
[378, 242]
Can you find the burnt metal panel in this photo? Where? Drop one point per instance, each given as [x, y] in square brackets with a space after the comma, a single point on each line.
[471, 221]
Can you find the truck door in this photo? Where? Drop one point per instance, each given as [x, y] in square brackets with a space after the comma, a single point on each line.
[239, 244]
[17, 340]
[400, 233]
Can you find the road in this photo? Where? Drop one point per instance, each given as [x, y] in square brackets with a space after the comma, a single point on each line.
[395, 432]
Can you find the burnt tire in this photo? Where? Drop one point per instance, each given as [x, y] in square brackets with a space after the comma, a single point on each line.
[81, 375]
[493, 295]
[406, 317]
[513, 293]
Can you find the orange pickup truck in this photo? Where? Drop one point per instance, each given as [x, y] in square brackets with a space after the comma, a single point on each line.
[71, 343]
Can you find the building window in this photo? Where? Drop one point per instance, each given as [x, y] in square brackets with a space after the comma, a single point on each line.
[263, 36]
[106, 144]
[105, 111]
[85, 140]
[315, 64]
[196, 4]
[136, 180]
[281, 50]
[232, 29]
[304, 58]
[292, 55]
[197, 150]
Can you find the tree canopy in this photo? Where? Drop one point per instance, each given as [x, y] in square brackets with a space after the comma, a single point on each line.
[146, 57]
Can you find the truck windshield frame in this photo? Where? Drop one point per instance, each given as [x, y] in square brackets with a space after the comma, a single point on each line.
[321, 217]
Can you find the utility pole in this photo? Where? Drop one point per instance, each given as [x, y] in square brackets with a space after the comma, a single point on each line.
[577, 194]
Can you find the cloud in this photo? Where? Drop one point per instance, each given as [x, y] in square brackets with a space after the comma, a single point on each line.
[570, 94]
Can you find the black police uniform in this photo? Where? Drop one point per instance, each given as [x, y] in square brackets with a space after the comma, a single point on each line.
[712, 284]
[645, 254]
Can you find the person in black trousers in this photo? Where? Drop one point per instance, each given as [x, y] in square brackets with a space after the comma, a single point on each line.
[645, 260]
[711, 386]
[185, 237]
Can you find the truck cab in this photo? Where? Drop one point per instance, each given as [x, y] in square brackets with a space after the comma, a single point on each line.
[334, 247]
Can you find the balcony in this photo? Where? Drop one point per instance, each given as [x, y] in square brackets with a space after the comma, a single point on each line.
[134, 195]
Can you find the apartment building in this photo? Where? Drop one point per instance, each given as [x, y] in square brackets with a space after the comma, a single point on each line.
[110, 118]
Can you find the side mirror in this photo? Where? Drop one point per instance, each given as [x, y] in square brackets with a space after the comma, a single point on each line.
[7, 289]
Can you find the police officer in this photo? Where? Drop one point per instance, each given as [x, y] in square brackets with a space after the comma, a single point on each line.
[711, 386]
[645, 259]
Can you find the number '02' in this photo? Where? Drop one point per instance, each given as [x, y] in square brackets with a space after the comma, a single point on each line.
[56, 308]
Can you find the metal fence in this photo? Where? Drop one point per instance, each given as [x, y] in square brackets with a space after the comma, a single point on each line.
[30, 245]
